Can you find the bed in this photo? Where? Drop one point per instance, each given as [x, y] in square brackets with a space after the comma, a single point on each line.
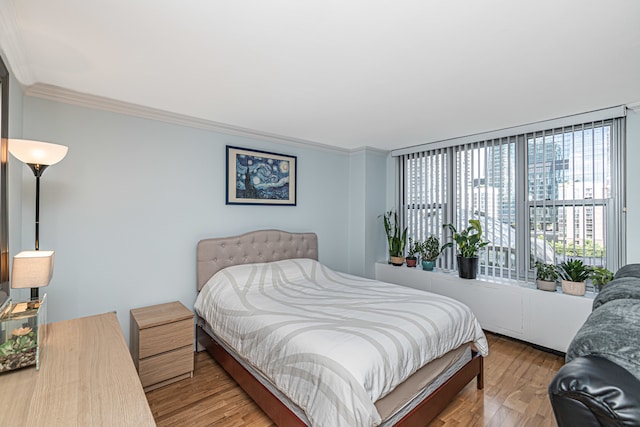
[312, 346]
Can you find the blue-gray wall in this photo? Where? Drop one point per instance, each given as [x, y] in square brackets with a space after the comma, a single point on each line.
[367, 202]
[126, 207]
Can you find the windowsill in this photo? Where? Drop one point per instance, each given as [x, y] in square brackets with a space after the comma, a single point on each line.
[452, 275]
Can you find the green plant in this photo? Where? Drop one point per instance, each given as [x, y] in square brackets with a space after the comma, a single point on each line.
[396, 238]
[430, 249]
[574, 270]
[469, 240]
[413, 248]
[600, 276]
[22, 340]
[546, 272]
[570, 248]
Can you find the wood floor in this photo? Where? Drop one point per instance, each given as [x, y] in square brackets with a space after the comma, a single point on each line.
[515, 394]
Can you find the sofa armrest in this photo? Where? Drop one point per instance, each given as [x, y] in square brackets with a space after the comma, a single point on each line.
[593, 391]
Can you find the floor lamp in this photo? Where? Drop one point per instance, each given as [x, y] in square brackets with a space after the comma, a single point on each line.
[38, 156]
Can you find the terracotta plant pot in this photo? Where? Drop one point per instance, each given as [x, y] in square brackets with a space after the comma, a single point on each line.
[428, 265]
[467, 267]
[546, 285]
[397, 260]
[573, 288]
[412, 261]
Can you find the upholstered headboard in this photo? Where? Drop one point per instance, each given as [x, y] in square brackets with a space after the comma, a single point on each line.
[256, 246]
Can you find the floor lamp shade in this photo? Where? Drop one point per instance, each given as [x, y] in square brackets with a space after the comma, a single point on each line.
[36, 152]
[32, 269]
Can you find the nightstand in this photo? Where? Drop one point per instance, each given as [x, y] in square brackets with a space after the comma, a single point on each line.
[162, 344]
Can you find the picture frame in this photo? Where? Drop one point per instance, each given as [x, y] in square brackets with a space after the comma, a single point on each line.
[256, 177]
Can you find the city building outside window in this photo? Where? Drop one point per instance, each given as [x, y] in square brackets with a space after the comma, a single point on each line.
[541, 195]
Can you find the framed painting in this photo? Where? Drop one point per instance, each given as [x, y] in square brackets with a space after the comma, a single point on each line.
[260, 178]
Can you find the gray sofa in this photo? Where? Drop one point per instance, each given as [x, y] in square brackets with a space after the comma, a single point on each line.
[600, 383]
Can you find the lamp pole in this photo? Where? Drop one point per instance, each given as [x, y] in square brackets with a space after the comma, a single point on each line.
[37, 171]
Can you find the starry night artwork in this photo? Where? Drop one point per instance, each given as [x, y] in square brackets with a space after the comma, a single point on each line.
[260, 178]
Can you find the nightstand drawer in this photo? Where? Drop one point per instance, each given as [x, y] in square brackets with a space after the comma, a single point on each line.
[159, 339]
[166, 365]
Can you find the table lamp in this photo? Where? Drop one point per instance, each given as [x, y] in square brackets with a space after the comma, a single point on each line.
[32, 269]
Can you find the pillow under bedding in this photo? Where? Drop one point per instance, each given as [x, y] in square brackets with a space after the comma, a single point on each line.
[612, 332]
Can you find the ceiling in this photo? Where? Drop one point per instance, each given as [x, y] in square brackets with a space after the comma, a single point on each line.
[343, 73]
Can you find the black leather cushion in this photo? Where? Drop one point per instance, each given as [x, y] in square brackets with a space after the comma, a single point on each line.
[592, 391]
[622, 288]
[611, 332]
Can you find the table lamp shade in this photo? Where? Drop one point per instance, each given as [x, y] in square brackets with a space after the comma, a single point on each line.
[32, 269]
[36, 152]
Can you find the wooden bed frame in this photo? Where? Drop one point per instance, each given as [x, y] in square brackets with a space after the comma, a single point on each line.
[275, 245]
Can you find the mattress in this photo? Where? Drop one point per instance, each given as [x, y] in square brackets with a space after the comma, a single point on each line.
[331, 342]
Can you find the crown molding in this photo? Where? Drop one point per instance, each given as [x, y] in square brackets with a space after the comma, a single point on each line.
[56, 93]
[369, 150]
[634, 106]
[12, 45]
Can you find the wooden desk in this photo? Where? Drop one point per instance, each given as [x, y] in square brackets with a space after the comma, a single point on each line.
[86, 378]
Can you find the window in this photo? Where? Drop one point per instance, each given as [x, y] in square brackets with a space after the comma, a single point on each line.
[545, 195]
[575, 169]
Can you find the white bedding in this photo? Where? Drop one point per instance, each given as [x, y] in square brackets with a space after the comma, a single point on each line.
[332, 342]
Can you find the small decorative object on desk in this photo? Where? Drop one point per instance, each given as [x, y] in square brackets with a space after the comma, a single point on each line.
[22, 333]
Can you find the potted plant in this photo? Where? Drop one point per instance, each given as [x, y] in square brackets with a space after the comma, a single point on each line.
[574, 273]
[469, 242]
[600, 276]
[396, 238]
[412, 249]
[546, 276]
[429, 252]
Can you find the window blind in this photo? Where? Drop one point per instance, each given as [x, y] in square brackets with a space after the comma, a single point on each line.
[544, 195]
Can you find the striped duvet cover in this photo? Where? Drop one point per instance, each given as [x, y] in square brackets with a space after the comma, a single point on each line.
[332, 342]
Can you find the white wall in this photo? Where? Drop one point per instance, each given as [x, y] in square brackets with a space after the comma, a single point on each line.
[548, 319]
[126, 207]
[633, 178]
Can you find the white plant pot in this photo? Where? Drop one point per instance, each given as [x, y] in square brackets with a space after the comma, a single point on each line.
[546, 285]
[573, 288]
